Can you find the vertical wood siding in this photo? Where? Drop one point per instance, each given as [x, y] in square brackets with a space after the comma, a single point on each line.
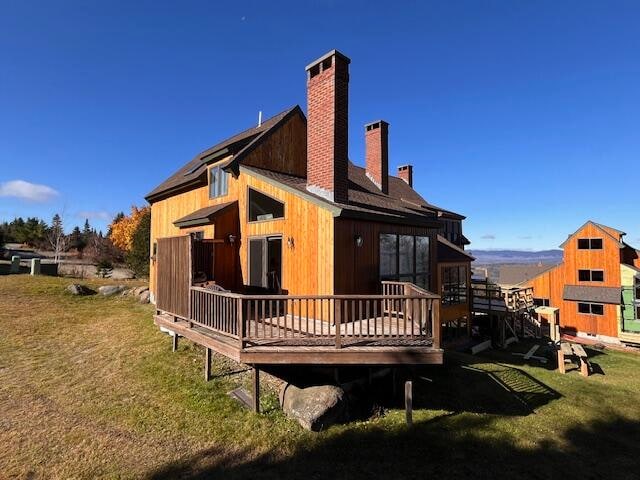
[550, 284]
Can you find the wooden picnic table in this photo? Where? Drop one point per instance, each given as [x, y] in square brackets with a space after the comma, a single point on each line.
[573, 351]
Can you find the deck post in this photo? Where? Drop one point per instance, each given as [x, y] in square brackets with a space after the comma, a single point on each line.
[174, 343]
[435, 318]
[408, 401]
[256, 389]
[240, 326]
[207, 364]
[337, 316]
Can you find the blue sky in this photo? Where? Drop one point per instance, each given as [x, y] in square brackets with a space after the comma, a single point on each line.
[521, 115]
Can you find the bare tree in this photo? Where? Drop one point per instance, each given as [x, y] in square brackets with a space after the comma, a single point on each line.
[57, 239]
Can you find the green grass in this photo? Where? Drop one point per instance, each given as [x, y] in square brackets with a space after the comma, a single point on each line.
[89, 388]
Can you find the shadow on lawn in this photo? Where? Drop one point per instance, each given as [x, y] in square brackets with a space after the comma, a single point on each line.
[449, 447]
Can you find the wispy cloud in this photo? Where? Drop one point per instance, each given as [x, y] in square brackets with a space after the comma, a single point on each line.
[488, 236]
[95, 215]
[32, 192]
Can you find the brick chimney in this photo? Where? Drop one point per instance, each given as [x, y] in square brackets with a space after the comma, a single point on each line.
[376, 137]
[327, 126]
[405, 172]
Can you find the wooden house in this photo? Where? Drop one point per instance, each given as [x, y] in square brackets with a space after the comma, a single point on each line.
[595, 291]
[274, 233]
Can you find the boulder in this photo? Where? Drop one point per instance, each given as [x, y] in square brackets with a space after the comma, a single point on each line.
[140, 290]
[315, 408]
[108, 290]
[77, 289]
[144, 297]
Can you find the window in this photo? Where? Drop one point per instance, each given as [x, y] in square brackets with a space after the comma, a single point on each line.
[541, 302]
[453, 231]
[591, 275]
[405, 258]
[217, 182]
[264, 207]
[591, 308]
[454, 285]
[589, 244]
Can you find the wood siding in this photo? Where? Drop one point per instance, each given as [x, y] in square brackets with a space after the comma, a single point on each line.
[550, 284]
[284, 151]
[357, 268]
[307, 265]
[174, 275]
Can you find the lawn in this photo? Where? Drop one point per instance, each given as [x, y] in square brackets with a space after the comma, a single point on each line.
[89, 388]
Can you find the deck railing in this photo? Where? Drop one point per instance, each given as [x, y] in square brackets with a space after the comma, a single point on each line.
[404, 312]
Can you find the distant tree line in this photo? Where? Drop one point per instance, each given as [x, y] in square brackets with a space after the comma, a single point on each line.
[127, 239]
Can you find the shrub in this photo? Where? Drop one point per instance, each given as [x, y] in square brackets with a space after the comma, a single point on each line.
[104, 269]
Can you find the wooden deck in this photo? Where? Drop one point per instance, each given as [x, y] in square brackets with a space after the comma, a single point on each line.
[401, 326]
[392, 351]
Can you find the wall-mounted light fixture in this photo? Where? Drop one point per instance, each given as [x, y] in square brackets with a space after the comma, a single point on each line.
[359, 241]
[232, 238]
[290, 242]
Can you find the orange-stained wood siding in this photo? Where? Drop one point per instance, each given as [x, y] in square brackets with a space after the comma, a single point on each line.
[307, 267]
[550, 284]
[284, 151]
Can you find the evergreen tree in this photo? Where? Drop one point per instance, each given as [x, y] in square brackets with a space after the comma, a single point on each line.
[77, 240]
[86, 231]
[138, 257]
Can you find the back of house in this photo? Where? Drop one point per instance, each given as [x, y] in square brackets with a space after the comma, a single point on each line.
[289, 213]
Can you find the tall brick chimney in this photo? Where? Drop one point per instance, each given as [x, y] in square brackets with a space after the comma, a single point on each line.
[327, 126]
[376, 137]
[405, 172]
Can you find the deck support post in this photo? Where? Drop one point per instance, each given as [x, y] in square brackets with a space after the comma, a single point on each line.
[256, 389]
[408, 401]
[174, 342]
[207, 364]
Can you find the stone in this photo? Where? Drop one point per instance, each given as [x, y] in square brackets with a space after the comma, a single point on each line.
[108, 290]
[35, 266]
[314, 408]
[144, 297]
[77, 289]
[139, 290]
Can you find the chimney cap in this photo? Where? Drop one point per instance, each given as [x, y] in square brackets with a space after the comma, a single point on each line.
[332, 53]
[404, 167]
[377, 122]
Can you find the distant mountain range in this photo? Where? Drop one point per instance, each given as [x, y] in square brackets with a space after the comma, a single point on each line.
[487, 257]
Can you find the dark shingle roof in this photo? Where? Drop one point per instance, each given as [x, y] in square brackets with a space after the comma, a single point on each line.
[204, 216]
[582, 293]
[450, 252]
[517, 274]
[194, 172]
[365, 199]
[402, 204]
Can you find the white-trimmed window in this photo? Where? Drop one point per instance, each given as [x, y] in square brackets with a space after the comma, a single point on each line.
[218, 182]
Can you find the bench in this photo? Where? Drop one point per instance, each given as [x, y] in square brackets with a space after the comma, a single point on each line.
[572, 351]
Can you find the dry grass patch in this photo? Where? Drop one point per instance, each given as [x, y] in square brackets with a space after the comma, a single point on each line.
[89, 388]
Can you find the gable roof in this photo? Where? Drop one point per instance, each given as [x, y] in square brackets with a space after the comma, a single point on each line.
[193, 174]
[602, 228]
[401, 204]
